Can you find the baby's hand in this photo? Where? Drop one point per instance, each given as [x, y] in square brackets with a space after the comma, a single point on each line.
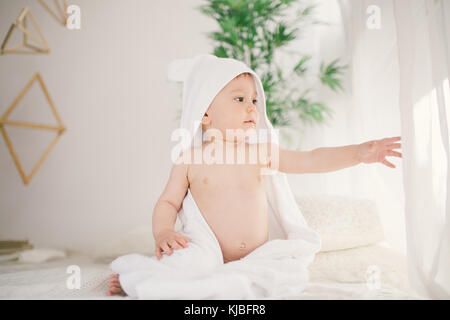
[377, 150]
[168, 240]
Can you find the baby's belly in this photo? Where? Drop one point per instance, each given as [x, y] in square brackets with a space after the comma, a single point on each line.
[239, 243]
[238, 219]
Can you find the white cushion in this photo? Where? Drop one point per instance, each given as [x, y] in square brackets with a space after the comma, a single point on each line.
[343, 222]
[367, 264]
[137, 240]
[40, 255]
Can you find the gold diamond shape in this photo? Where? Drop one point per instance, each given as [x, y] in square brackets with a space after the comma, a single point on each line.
[4, 121]
[21, 24]
[61, 10]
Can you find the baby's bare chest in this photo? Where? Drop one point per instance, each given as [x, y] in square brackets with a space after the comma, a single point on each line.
[230, 193]
[217, 177]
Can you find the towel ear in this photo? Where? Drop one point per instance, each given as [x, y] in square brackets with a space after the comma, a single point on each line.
[179, 69]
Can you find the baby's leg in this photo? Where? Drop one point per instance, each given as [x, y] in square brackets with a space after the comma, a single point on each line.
[134, 269]
[114, 285]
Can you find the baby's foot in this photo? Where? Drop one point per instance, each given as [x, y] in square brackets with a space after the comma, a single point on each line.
[114, 285]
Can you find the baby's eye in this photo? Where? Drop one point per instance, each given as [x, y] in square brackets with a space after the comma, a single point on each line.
[254, 100]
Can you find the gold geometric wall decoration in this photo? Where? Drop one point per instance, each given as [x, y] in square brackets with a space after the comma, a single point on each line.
[20, 23]
[60, 128]
[61, 10]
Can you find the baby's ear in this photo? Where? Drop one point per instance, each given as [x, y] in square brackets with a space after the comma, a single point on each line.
[205, 122]
[205, 119]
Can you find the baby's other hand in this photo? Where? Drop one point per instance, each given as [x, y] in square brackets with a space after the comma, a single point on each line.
[167, 241]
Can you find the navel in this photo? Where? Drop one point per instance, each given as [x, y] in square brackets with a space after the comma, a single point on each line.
[242, 246]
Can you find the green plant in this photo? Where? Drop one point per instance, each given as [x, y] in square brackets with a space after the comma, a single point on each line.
[253, 31]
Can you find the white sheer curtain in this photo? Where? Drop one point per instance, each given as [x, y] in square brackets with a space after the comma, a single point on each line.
[405, 63]
[423, 36]
[369, 110]
[366, 110]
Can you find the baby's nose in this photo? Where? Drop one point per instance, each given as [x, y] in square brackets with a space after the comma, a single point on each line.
[251, 107]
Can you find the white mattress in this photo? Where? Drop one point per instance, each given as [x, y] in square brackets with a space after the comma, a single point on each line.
[48, 281]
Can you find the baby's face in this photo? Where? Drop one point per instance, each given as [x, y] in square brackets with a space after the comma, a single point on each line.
[233, 106]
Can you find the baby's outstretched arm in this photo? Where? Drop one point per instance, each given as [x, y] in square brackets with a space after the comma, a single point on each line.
[328, 159]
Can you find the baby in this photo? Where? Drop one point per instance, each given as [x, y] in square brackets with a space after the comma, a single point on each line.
[231, 195]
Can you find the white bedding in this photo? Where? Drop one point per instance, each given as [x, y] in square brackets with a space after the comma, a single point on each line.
[48, 281]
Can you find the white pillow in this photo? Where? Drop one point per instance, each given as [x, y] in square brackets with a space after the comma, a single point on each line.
[362, 265]
[343, 222]
[138, 240]
[40, 255]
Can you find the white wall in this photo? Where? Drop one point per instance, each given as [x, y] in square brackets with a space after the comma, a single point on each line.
[108, 82]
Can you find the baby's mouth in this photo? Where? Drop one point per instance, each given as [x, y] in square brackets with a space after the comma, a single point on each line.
[252, 122]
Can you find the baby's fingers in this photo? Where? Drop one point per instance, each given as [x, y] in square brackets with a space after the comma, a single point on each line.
[158, 253]
[186, 239]
[183, 241]
[394, 146]
[387, 163]
[174, 244]
[166, 248]
[394, 153]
